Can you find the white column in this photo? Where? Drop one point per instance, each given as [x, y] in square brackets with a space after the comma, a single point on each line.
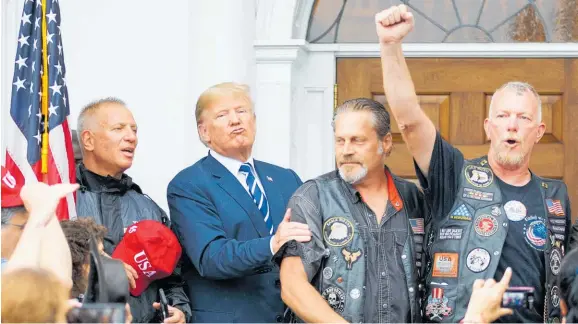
[277, 67]
[221, 35]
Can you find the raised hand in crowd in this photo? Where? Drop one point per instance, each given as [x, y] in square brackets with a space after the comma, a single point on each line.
[42, 243]
[485, 304]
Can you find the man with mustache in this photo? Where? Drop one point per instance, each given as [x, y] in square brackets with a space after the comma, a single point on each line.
[107, 134]
[503, 214]
[228, 210]
[364, 262]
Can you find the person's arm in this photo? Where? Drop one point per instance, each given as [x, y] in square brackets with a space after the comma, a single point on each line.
[300, 262]
[302, 297]
[43, 243]
[201, 233]
[417, 129]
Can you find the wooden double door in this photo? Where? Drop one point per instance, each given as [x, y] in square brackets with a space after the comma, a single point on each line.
[455, 93]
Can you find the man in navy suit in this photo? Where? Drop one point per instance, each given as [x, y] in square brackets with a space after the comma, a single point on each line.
[229, 213]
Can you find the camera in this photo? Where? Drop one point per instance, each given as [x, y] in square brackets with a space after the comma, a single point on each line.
[518, 297]
[98, 313]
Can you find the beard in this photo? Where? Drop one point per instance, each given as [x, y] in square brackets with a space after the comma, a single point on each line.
[352, 177]
[509, 159]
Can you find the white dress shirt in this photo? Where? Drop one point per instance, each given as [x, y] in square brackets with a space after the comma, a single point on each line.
[233, 166]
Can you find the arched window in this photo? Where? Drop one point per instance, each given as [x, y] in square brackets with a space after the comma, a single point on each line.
[447, 21]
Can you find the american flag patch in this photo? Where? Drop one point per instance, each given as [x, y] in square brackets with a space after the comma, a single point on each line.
[417, 225]
[555, 207]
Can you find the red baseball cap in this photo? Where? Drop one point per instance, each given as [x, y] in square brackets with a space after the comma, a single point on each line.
[152, 249]
[10, 189]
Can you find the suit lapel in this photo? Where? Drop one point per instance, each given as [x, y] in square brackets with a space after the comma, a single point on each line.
[274, 197]
[231, 185]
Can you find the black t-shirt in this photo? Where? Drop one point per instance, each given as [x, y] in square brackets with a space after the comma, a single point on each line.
[527, 263]
[523, 249]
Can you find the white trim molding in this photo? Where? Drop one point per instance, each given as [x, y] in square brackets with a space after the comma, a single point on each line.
[480, 50]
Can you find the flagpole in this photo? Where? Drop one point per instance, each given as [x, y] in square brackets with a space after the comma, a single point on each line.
[44, 89]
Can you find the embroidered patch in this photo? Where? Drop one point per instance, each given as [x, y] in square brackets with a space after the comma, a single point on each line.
[557, 221]
[515, 210]
[437, 305]
[555, 296]
[535, 232]
[327, 273]
[350, 257]
[478, 260]
[555, 261]
[438, 283]
[477, 194]
[354, 293]
[560, 236]
[555, 207]
[449, 233]
[480, 177]
[337, 231]
[417, 225]
[445, 265]
[335, 297]
[496, 211]
[461, 213]
[559, 229]
[486, 225]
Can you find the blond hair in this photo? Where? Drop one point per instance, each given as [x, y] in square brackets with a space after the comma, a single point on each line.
[225, 89]
[33, 296]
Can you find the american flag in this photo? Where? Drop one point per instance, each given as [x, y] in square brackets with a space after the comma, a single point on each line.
[417, 225]
[35, 85]
[555, 207]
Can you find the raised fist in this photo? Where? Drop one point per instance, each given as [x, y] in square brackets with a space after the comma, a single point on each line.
[393, 24]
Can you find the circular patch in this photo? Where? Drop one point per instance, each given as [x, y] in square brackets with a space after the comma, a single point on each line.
[335, 297]
[480, 177]
[496, 211]
[554, 296]
[337, 231]
[327, 273]
[555, 261]
[354, 293]
[535, 230]
[515, 210]
[486, 225]
[478, 260]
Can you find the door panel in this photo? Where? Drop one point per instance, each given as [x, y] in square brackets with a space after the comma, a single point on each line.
[455, 94]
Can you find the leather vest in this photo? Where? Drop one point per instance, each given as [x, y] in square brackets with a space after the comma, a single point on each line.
[342, 277]
[467, 243]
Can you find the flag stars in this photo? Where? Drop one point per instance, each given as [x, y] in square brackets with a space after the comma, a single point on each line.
[25, 19]
[37, 23]
[37, 136]
[52, 110]
[19, 84]
[55, 88]
[59, 48]
[29, 110]
[23, 40]
[58, 67]
[31, 87]
[21, 62]
[49, 37]
[51, 16]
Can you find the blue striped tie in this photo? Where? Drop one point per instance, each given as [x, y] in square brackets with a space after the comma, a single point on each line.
[258, 196]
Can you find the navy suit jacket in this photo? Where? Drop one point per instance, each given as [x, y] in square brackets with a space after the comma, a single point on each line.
[227, 260]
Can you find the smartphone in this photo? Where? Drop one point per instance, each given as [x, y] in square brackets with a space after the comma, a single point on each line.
[518, 297]
[164, 304]
[97, 313]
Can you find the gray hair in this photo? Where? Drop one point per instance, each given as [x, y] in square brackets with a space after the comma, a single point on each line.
[90, 109]
[9, 212]
[519, 88]
[381, 119]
